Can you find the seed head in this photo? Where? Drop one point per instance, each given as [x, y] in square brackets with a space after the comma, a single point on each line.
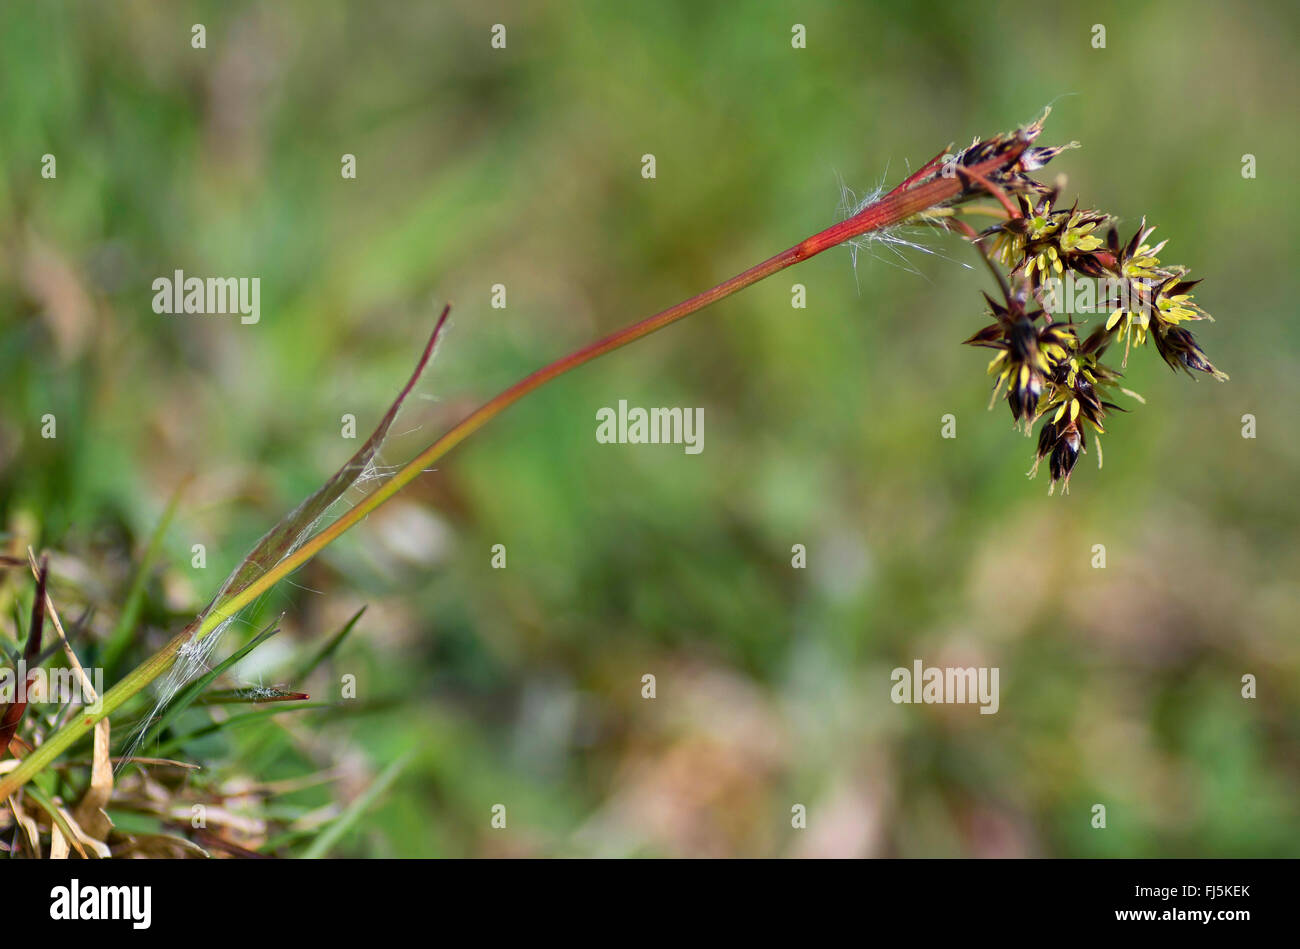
[1041, 367]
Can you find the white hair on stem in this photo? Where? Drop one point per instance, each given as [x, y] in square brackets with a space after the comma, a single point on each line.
[894, 239]
[192, 659]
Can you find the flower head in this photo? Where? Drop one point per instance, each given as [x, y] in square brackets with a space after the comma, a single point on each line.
[1044, 369]
[1180, 350]
[1028, 355]
[1014, 178]
[1043, 241]
[1061, 443]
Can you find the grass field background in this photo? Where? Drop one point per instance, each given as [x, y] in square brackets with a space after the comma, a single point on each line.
[522, 166]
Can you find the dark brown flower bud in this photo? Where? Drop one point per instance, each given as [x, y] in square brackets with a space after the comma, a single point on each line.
[1180, 350]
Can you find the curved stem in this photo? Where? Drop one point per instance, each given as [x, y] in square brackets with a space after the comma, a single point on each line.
[902, 204]
[971, 235]
[991, 188]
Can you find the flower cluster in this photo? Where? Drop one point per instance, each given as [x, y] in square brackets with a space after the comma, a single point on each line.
[1043, 242]
[1013, 178]
[1044, 368]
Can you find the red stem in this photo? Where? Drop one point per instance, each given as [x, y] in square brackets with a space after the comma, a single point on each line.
[898, 206]
[905, 201]
[894, 208]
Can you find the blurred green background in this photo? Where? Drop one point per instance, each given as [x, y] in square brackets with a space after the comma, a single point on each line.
[522, 166]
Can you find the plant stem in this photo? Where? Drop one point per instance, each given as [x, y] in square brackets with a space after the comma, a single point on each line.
[971, 235]
[897, 207]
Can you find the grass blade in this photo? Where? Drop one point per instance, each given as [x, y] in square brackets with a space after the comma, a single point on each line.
[13, 713]
[332, 834]
[169, 747]
[308, 667]
[192, 691]
[286, 536]
[254, 695]
[124, 631]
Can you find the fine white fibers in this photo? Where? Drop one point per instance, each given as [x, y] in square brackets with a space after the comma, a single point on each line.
[894, 239]
[191, 662]
[193, 658]
[343, 490]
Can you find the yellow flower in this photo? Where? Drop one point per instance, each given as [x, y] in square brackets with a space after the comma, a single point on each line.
[1078, 236]
[1046, 259]
[1174, 302]
[1133, 328]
